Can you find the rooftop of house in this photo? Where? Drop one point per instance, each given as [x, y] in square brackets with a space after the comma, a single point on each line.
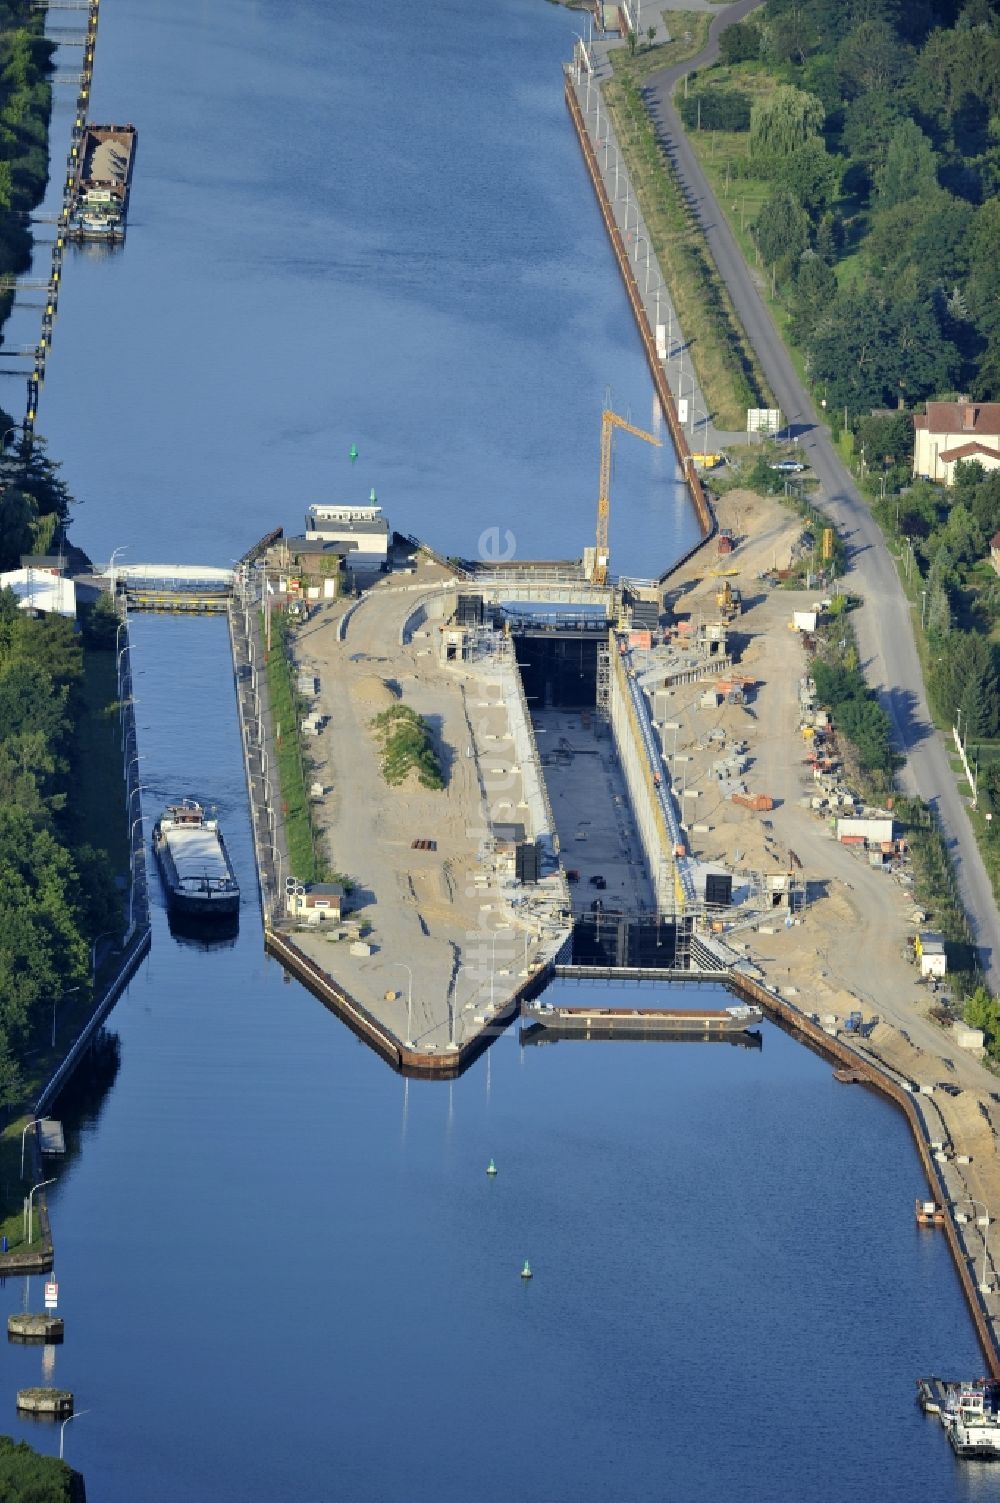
[967, 451]
[960, 417]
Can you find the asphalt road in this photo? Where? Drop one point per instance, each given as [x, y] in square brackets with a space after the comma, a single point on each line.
[883, 625]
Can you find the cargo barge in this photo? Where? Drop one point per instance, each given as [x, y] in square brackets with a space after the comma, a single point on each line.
[194, 863]
[100, 191]
[641, 1022]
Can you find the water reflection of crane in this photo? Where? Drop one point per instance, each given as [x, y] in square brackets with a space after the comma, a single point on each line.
[609, 422]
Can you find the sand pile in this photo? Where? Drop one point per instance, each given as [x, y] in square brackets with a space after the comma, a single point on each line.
[373, 694]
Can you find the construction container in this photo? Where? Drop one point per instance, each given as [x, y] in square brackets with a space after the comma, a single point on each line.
[643, 640]
[725, 545]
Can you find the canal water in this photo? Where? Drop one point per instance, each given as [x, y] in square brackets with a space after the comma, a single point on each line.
[368, 229]
[283, 1269]
[286, 1274]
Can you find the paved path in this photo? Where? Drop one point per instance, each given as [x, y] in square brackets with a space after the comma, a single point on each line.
[883, 625]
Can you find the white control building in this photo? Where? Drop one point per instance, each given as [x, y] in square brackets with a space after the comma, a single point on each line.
[362, 530]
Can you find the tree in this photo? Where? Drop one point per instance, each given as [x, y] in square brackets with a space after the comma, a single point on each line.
[740, 43]
[869, 123]
[965, 678]
[983, 288]
[781, 229]
[910, 168]
[782, 122]
[869, 343]
[871, 57]
[18, 514]
[815, 289]
[983, 1011]
[938, 613]
[813, 175]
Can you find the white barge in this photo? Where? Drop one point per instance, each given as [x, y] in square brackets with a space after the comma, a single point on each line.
[637, 1022]
[969, 1413]
[194, 863]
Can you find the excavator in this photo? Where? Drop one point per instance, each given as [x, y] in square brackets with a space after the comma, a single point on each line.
[609, 422]
[729, 601]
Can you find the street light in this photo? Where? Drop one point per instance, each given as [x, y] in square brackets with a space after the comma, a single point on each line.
[409, 1002]
[62, 1428]
[984, 1222]
[923, 607]
[493, 960]
[111, 565]
[108, 934]
[31, 1206]
[640, 236]
[33, 1123]
[61, 999]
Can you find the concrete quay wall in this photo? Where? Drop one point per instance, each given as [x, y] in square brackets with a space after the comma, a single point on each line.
[646, 808]
[414, 1062]
[699, 498]
[882, 1080]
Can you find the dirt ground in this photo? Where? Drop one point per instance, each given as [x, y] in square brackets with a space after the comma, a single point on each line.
[848, 946]
[441, 919]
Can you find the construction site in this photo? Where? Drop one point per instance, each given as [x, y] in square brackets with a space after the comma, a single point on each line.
[637, 779]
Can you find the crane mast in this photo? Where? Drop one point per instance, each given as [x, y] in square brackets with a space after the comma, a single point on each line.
[609, 422]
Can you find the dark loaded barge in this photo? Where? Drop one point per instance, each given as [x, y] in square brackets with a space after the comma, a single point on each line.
[733, 1023]
[194, 863]
[99, 192]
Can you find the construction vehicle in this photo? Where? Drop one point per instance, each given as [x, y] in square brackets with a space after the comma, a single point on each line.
[609, 422]
[729, 601]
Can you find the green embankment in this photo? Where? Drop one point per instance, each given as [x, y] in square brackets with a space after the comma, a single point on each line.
[293, 771]
[727, 367]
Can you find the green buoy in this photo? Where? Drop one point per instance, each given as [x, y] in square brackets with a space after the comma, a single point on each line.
[526, 1270]
[491, 1168]
[354, 453]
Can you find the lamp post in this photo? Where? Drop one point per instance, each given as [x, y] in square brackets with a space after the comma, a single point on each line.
[493, 959]
[108, 933]
[409, 1002]
[62, 1427]
[984, 1222]
[27, 1128]
[31, 1206]
[640, 236]
[61, 999]
[111, 565]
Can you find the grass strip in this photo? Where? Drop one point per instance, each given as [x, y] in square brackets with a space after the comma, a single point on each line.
[728, 369]
[286, 713]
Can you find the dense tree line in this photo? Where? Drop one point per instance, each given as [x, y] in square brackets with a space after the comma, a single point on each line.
[949, 532]
[25, 105]
[876, 125]
[53, 897]
[26, 1477]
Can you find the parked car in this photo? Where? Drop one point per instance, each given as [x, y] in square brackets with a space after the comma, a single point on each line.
[789, 466]
[572, 875]
[598, 881]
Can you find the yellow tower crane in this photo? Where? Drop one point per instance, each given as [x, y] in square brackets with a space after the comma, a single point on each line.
[609, 422]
